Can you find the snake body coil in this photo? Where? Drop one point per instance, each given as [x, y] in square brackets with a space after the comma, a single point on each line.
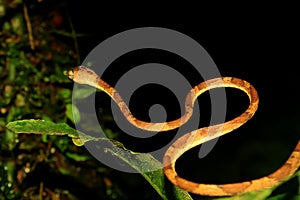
[84, 75]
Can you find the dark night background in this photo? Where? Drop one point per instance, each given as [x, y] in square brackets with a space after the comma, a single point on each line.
[259, 46]
[256, 43]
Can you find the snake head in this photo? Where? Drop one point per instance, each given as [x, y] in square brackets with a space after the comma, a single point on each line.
[70, 74]
[83, 75]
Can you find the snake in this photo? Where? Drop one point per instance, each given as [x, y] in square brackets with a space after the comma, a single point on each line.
[85, 75]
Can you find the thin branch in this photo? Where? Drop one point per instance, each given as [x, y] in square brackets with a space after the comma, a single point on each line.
[75, 39]
[28, 24]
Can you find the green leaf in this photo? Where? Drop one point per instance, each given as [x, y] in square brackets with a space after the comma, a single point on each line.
[77, 157]
[49, 128]
[42, 127]
[65, 93]
[142, 162]
[81, 93]
[72, 113]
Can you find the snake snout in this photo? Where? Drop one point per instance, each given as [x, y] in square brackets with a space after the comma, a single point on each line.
[71, 74]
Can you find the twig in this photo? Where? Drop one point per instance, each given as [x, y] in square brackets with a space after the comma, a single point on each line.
[28, 24]
[75, 39]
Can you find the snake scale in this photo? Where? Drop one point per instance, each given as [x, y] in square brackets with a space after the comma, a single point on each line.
[84, 75]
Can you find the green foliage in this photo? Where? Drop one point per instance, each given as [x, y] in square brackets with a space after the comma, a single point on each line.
[6, 189]
[42, 127]
[32, 86]
[140, 162]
